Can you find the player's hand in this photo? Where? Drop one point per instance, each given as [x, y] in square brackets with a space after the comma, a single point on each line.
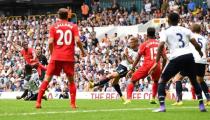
[126, 52]
[129, 73]
[153, 68]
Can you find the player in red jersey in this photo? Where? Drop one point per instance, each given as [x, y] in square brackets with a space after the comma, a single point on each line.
[62, 38]
[30, 57]
[148, 50]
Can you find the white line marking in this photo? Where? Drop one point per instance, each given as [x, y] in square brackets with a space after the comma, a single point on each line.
[88, 111]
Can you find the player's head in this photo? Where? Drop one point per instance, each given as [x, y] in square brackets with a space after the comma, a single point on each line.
[173, 19]
[133, 42]
[25, 44]
[63, 13]
[196, 28]
[151, 32]
[38, 50]
[28, 69]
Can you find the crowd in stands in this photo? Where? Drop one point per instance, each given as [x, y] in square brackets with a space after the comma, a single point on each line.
[103, 55]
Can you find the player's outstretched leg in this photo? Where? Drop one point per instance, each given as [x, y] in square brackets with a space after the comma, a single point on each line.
[114, 75]
[42, 89]
[116, 86]
[101, 82]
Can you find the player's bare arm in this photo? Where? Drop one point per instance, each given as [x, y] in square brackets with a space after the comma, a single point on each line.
[50, 42]
[197, 46]
[79, 44]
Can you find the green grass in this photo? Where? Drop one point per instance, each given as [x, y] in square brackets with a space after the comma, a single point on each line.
[98, 110]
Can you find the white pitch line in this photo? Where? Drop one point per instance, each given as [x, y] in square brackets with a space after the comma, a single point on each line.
[87, 111]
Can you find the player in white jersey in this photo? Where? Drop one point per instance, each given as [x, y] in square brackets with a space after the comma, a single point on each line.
[200, 64]
[31, 84]
[122, 69]
[177, 39]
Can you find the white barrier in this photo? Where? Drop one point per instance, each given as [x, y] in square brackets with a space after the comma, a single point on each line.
[96, 95]
[120, 30]
[127, 30]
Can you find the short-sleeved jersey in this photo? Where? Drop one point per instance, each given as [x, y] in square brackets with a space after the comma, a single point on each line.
[27, 54]
[132, 54]
[203, 43]
[63, 33]
[177, 39]
[148, 50]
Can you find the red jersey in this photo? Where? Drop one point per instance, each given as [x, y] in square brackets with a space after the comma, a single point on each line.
[63, 33]
[28, 55]
[148, 49]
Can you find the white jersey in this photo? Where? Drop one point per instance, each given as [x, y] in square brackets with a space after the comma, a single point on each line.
[132, 54]
[177, 39]
[33, 83]
[203, 43]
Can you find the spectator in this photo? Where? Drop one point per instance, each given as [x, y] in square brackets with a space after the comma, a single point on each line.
[85, 11]
[191, 6]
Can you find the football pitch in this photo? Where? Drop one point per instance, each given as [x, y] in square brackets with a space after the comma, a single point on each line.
[98, 110]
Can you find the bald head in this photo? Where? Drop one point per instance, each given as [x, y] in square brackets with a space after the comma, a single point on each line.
[63, 13]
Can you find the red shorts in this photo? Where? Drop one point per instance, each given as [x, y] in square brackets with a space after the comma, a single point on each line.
[55, 67]
[142, 72]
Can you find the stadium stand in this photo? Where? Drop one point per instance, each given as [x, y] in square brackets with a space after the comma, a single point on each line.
[103, 56]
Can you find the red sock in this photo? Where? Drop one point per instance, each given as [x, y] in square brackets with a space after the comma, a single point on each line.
[72, 91]
[154, 89]
[42, 89]
[193, 93]
[130, 90]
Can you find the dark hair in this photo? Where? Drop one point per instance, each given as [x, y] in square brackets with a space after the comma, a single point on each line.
[37, 46]
[151, 32]
[173, 18]
[63, 13]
